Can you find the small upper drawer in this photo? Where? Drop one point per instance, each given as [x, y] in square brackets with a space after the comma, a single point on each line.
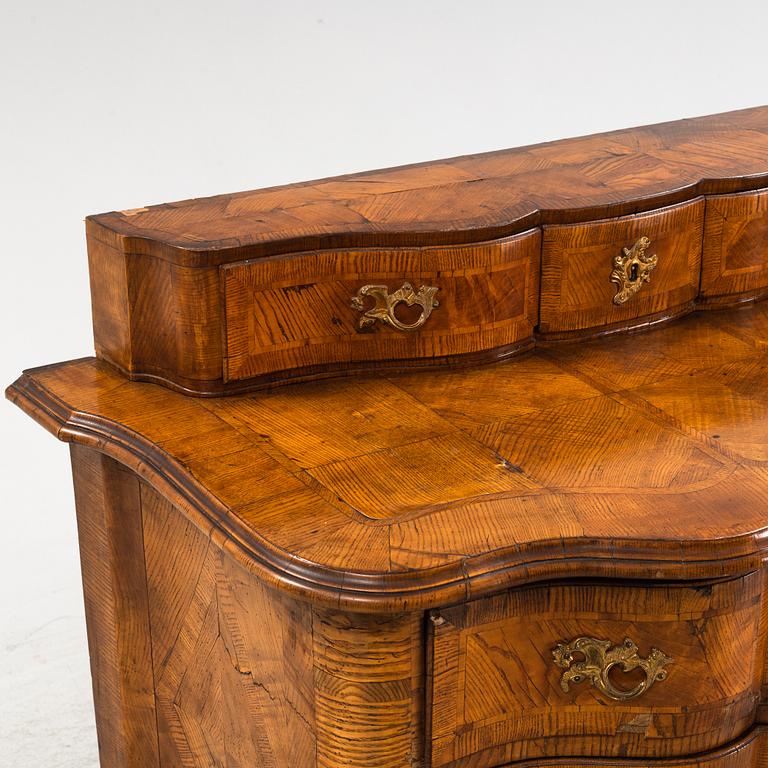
[595, 670]
[735, 260]
[335, 310]
[620, 272]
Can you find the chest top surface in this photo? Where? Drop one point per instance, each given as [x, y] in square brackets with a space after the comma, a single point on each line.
[638, 456]
[458, 200]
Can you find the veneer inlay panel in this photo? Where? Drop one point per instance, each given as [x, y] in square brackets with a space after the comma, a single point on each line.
[433, 466]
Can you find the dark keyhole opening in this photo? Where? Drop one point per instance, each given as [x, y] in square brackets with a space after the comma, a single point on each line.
[633, 273]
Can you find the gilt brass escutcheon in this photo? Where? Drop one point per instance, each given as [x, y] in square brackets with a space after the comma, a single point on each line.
[385, 303]
[631, 269]
[600, 658]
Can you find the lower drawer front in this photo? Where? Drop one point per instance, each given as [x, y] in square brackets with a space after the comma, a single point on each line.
[596, 671]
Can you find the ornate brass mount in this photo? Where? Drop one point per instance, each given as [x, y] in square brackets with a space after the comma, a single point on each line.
[385, 303]
[600, 658]
[632, 269]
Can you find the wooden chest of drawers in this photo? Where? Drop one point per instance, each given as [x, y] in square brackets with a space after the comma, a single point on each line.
[433, 466]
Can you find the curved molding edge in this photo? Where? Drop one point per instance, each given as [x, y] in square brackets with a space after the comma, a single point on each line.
[434, 233]
[391, 592]
[747, 744]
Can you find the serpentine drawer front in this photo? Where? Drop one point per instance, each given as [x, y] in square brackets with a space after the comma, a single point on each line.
[735, 248]
[510, 682]
[371, 473]
[591, 282]
[319, 308]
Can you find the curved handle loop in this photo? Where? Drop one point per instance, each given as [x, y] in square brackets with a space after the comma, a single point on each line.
[599, 658]
[385, 303]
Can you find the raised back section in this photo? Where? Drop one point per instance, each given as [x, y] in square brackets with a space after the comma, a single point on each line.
[455, 261]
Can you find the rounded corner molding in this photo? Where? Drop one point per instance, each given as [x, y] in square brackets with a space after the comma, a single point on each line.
[74, 421]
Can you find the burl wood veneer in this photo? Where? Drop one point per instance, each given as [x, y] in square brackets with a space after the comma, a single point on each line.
[529, 522]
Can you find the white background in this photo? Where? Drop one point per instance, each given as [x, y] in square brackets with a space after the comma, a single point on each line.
[107, 105]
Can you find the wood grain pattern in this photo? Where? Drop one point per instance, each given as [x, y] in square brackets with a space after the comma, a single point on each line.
[116, 609]
[748, 751]
[639, 456]
[287, 314]
[235, 674]
[735, 248]
[496, 689]
[577, 259]
[153, 316]
[463, 199]
[196, 663]
[375, 571]
[368, 690]
[110, 303]
[241, 292]
[231, 660]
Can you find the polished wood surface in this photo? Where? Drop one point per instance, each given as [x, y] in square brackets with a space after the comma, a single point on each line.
[197, 663]
[239, 292]
[735, 253]
[154, 316]
[576, 262]
[463, 199]
[231, 660]
[647, 454]
[494, 682]
[553, 559]
[369, 689]
[108, 499]
[206, 665]
[746, 752]
[299, 314]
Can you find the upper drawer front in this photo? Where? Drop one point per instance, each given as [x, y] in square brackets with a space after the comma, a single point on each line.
[335, 310]
[499, 694]
[735, 261]
[582, 285]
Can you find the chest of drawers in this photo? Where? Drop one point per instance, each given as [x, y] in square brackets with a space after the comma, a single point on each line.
[458, 465]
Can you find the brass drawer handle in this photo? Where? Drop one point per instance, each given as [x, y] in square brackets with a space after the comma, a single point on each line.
[600, 658]
[631, 269]
[385, 303]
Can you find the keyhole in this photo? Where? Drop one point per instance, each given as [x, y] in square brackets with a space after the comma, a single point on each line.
[633, 273]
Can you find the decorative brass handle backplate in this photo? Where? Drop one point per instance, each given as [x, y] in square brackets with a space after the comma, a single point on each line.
[632, 269]
[600, 658]
[385, 303]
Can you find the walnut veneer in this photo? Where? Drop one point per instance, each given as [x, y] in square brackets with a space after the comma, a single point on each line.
[555, 559]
